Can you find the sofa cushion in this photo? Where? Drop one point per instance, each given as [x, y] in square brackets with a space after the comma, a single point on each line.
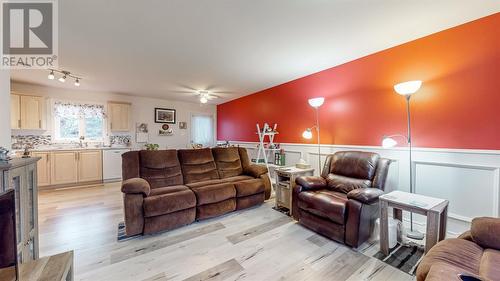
[442, 271]
[489, 267]
[237, 178]
[250, 201]
[456, 252]
[345, 184]
[213, 193]
[324, 203]
[249, 187]
[226, 180]
[354, 164]
[197, 165]
[215, 209]
[160, 167]
[168, 200]
[227, 160]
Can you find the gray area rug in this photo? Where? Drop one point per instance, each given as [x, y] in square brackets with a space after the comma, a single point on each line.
[403, 257]
[122, 236]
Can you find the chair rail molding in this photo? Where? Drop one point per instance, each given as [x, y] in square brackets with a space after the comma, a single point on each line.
[468, 178]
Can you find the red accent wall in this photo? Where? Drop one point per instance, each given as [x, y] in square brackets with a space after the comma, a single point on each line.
[458, 105]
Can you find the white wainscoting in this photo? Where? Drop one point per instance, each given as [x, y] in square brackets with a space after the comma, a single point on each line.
[468, 178]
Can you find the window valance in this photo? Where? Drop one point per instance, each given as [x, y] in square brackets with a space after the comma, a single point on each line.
[67, 109]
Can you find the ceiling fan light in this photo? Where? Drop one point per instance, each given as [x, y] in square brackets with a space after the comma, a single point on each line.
[203, 99]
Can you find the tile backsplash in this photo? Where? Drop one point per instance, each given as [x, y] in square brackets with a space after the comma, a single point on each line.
[35, 141]
[20, 141]
[120, 140]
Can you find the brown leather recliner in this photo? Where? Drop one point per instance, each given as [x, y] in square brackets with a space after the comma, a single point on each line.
[165, 189]
[342, 203]
[475, 253]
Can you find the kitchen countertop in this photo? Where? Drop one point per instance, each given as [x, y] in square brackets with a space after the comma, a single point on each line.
[63, 148]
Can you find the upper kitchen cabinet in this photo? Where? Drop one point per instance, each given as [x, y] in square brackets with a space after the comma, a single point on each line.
[15, 112]
[27, 112]
[119, 116]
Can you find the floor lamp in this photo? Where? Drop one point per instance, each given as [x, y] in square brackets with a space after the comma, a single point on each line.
[406, 89]
[307, 134]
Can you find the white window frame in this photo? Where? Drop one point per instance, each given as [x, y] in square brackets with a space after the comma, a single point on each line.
[214, 130]
[81, 125]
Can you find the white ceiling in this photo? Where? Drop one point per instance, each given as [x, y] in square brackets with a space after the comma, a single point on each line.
[169, 48]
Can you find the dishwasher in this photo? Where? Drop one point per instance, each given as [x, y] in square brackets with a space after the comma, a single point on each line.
[112, 164]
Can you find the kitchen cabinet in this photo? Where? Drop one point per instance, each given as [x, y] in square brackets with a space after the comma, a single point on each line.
[27, 112]
[43, 168]
[15, 112]
[69, 167]
[119, 116]
[32, 110]
[64, 167]
[89, 166]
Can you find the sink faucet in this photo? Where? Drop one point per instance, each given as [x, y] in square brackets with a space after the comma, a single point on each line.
[82, 138]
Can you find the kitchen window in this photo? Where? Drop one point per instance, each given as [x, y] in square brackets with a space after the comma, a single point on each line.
[73, 120]
[202, 129]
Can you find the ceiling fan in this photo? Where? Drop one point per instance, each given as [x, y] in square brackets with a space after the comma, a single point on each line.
[205, 96]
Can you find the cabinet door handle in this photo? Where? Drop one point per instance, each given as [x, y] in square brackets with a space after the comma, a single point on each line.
[19, 123]
[40, 124]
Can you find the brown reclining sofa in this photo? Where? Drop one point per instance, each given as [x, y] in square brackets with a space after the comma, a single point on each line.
[165, 189]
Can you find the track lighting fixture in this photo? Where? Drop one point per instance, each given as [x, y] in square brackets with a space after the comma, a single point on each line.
[65, 74]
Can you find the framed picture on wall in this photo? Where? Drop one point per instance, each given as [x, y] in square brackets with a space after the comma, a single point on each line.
[165, 115]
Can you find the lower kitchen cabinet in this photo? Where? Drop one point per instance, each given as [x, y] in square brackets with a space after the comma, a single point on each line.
[64, 166]
[43, 168]
[89, 165]
[69, 167]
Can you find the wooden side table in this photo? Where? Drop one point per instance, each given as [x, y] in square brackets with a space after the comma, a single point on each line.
[435, 209]
[285, 182]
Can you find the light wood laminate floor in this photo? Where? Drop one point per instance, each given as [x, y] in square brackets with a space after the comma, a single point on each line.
[253, 244]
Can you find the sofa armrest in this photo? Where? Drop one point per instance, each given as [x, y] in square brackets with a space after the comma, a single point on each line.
[311, 182]
[484, 232]
[255, 170]
[136, 186]
[466, 236]
[367, 195]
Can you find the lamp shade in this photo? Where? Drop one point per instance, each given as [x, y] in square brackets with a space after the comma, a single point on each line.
[407, 88]
[316, 102]
[388, 142]
[307, 134]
